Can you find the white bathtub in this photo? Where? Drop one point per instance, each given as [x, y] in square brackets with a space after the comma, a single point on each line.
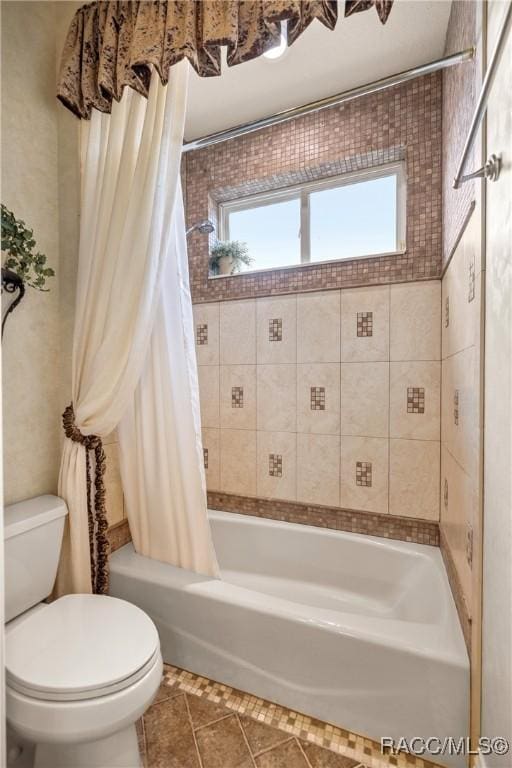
[358, 631]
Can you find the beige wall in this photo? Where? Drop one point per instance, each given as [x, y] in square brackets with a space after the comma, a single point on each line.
[497, 571]
[41, 184]
[365, 381]
[31, 360]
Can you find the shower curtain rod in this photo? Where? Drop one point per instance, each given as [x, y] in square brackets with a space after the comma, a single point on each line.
[330, 101]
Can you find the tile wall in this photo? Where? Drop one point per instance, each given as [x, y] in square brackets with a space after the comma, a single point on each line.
[460, 88]
[328, 398]
[461, 429]
[399, 123]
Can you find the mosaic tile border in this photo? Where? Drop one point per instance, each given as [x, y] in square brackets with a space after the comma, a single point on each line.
[457, 591]
[343, 742]
[118, 535]
[353, 521]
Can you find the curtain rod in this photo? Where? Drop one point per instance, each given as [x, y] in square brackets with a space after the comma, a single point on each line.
[491, 170]
[330, 101]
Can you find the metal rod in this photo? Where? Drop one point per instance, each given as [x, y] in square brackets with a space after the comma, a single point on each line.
[330, 101]
[482, 100]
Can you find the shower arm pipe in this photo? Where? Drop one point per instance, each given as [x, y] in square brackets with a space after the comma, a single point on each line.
[491, 170]
[331, 101]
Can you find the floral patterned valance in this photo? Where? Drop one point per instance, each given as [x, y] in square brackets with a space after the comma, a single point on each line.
[115, 43]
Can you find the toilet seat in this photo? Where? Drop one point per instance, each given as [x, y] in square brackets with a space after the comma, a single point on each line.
[80, 647]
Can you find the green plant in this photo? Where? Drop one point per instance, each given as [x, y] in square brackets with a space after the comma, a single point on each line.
[235, 251]
[19, 244]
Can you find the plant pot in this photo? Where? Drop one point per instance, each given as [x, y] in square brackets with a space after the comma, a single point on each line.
[225, 265]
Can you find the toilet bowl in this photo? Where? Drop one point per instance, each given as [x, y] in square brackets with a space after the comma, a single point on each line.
[80, 671]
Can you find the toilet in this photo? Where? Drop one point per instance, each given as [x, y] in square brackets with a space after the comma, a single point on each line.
[81, 670]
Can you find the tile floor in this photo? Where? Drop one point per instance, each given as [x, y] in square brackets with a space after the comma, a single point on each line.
[197, 723]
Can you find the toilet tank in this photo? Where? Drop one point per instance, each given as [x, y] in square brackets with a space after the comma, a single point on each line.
[32, 539]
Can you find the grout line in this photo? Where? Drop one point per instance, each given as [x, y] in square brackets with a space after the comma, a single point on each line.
[144, 743]
[303, 753]
[284, 740]
[246, 740]
[212, 722]
[296, 397]
[389, 402]
[458, 352]
[340, 462]
[192, 731]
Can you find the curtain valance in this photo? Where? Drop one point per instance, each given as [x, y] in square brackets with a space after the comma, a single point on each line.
[116, 43]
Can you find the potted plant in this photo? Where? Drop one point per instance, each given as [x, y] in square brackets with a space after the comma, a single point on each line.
[22, 264]
[228, 256]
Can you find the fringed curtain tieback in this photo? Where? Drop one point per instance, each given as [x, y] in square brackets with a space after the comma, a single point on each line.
[96, 512]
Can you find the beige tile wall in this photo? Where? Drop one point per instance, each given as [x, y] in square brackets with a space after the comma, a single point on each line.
[324, 416]
[460, 414]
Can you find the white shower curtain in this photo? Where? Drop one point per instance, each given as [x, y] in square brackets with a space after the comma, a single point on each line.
[159, 435]
[130, 338]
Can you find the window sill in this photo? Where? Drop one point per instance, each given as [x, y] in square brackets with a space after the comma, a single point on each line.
[307, 265]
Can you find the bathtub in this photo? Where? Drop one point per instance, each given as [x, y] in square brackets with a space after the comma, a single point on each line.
[355, 630]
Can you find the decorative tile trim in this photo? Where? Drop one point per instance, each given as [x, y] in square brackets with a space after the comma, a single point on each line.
[457, 591]
[365, 323]
[472, 281]
[275, 329]
[119, 535]
[355, 747]
[293, 176]
[456, 407]
[318, 398]
[237, 397]
[275, 465]
[335, 518]
[364, 473]
[469, 545]
[415, 400]
[205, 457]
[202, 334]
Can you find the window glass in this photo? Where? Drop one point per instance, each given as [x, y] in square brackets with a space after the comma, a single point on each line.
[272, 233]
[353, 220]
[339, 218]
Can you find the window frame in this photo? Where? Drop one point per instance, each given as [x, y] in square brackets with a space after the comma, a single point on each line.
[303, 191]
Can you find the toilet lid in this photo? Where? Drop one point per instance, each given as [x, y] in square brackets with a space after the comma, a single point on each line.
[79, 646]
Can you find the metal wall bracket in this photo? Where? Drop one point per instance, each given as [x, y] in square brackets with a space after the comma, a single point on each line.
[12, 284]
[490, 171]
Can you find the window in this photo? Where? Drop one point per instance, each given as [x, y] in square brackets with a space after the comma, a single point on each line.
[350, 216]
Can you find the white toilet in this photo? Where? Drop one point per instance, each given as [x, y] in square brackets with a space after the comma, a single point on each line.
[81, 670]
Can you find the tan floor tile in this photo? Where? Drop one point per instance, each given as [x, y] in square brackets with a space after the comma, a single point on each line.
[227, 746]
[287, 755]
[261, 736]
[222, 745]
[169, 738]
[204, 712]
[323, 758]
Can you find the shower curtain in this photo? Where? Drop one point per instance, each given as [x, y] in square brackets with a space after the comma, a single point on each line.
[133, 362]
